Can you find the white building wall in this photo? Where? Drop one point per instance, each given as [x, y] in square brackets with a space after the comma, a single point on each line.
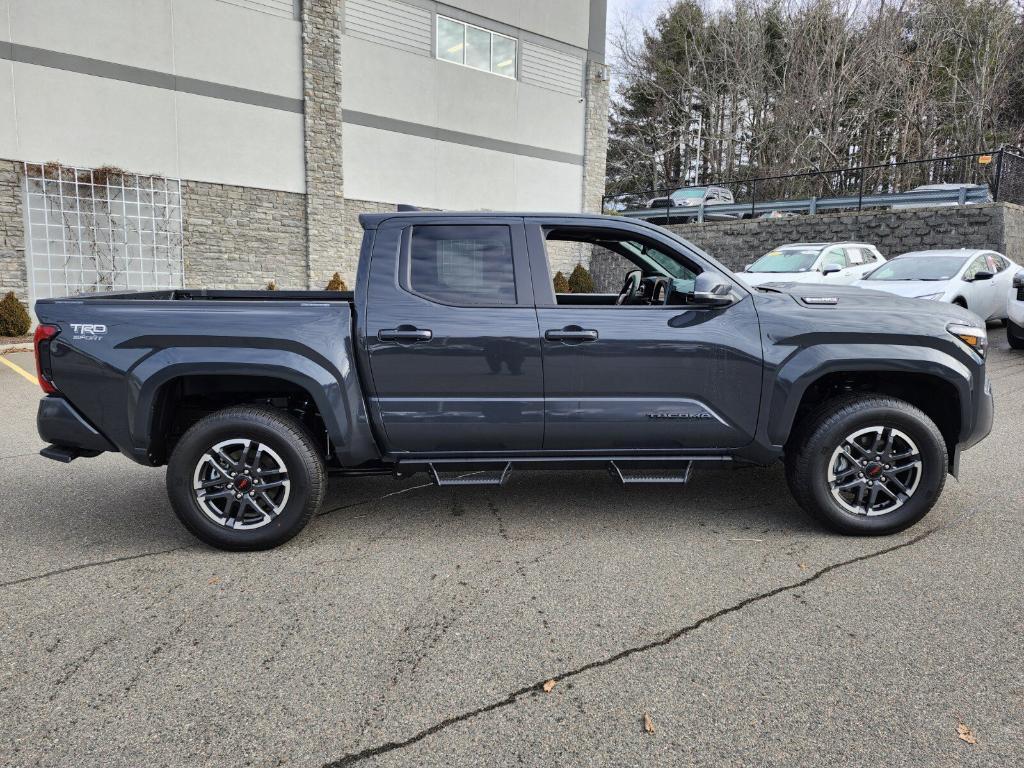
[428, 132]
[135, 110]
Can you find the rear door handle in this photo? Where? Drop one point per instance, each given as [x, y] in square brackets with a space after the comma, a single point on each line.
[406, 333]
[572, 333]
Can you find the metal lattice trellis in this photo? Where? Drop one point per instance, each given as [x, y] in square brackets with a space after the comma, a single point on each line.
[101, 230]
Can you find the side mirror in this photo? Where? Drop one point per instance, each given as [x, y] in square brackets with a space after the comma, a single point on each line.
[983, 275]
[831, 269]
[1018, 280]
[712, 289]
[747, 267]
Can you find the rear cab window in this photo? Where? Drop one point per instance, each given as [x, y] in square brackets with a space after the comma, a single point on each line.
[463, 265]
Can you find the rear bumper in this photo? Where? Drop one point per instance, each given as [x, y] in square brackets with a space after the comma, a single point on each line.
[61, 425]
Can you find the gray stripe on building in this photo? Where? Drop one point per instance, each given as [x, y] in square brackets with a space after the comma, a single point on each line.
[456, 137]
[42, 57]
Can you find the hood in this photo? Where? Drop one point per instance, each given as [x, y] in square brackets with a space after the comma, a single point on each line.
[908, 288]
[880, 303]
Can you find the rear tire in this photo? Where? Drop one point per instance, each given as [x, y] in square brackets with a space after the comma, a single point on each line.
[246, 478]
[1014, 335]
[834, 475]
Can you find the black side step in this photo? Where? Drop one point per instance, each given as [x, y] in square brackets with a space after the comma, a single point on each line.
[472, 478]
[678, 476]
[60, 453]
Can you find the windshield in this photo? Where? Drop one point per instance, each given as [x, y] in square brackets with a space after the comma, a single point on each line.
[688, 192]
[919, 268]
[785, 259]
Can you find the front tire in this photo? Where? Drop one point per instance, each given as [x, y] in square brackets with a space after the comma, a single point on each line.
[1014, 335]
[869, 465]
[246, 478]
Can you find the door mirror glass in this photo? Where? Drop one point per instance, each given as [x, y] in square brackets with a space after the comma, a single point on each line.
[712, 289]
[831, 269]
[983, 274]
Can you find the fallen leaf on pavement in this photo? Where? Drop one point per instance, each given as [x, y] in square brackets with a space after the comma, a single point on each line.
[802, 566]
[648, 723]
[549, 685]
[965, 734]
[213, 580]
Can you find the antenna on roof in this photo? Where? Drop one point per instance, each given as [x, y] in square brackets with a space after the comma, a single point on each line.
[406, 208]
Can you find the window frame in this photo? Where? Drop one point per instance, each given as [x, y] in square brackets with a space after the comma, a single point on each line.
[490, 50]
[540, 264]
[520, 261]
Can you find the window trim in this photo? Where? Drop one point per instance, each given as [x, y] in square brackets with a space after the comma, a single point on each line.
[490, 53]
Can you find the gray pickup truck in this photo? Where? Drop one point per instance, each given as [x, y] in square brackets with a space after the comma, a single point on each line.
[455, 356]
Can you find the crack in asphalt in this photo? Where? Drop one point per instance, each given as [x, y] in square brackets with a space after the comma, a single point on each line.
[93, 564]
[536, 688]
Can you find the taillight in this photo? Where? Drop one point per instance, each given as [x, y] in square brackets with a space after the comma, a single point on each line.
[43, 336]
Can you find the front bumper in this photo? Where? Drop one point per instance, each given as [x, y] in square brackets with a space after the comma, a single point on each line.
[61, 425]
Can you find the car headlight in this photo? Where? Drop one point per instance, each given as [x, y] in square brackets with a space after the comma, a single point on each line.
[972, 336]
[932, 296]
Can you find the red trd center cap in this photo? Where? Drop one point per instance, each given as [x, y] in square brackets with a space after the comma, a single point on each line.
[874, 470]
[243, 483]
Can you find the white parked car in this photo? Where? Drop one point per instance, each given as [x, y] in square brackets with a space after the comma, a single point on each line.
[1015, 312]
[976, 279]
[975, 190]
[829, 263]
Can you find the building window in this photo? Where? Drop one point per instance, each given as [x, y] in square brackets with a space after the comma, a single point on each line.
[475, 47]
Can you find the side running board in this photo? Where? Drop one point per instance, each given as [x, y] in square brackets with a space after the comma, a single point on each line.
[644, 476]
[471, 478]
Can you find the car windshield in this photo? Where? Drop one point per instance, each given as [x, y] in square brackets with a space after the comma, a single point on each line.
[688, 192]
[786, 259]
[919, 268]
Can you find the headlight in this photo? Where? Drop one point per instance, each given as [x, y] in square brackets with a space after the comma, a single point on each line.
[932, 296]
[974, 337]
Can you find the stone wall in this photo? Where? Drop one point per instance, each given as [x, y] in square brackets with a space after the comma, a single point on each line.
[241, 237]
[999, 226]
[321, 85]
[13, 272]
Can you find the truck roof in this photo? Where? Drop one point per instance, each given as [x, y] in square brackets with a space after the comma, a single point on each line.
[373, 220]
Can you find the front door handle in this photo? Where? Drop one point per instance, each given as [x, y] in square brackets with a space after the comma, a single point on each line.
[405, 333]
[571, 333]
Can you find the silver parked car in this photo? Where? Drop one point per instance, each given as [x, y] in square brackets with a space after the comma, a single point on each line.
[979, 280]
[692, 197]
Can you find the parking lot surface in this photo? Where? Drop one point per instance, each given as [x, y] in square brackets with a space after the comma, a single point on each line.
[416, 626]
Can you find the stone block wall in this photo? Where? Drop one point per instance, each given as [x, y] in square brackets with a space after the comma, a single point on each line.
[737, 243]
[241, 237]
[595, 151]
[13, 270]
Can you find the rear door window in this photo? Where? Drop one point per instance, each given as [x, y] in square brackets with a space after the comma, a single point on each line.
[463, 265]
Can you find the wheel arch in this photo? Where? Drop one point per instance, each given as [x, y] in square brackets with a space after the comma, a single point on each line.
[933, 381]
[161, 387]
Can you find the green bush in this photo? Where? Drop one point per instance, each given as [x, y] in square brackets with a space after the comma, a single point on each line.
[336, 283]
[14, 319]
[580, 280]
[560, 283]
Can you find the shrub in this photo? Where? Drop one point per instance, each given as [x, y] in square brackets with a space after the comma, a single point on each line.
[14, 319]
[271, 286]
[580, 280]
[336, 283]
[560, 283]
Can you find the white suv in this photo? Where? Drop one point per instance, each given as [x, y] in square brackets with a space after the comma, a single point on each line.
[834, 263]
[1015, 312]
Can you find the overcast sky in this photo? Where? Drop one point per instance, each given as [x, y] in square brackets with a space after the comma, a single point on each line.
[631, 11]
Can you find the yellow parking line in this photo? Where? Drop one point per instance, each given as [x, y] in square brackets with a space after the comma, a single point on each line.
[19, 370]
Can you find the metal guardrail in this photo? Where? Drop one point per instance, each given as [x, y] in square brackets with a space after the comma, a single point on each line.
[1000, 172]
[811, 205]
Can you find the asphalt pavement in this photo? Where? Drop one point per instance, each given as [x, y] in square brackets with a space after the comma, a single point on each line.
[709, 625]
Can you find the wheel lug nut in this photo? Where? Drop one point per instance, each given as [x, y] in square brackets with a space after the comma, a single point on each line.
[860, 474]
